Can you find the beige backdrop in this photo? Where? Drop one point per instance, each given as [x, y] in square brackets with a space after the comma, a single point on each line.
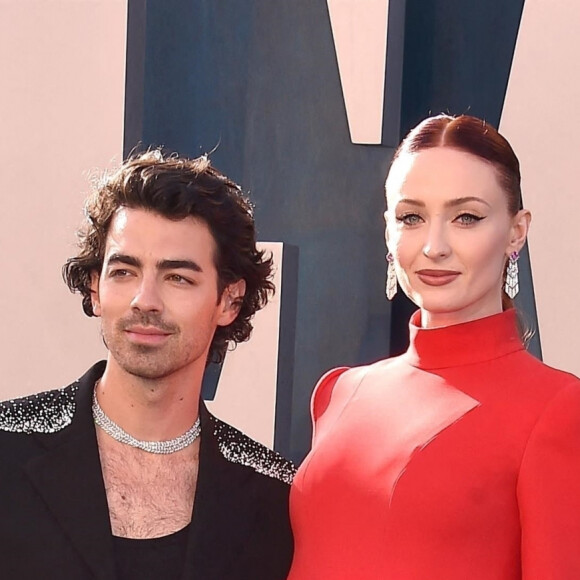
[359, 30]
[540, 119]
[246, 393]
[62, 65]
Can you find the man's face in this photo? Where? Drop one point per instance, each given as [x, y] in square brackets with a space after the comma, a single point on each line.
[157, 294]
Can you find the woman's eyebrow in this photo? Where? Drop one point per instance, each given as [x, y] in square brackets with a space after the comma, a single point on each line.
[461, 200]
[410, 201]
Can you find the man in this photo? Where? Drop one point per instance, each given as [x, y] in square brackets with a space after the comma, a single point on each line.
[125, 474]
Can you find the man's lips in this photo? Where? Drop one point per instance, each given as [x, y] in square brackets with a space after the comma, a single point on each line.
[146, 334]
[146, 330]
[437, 277]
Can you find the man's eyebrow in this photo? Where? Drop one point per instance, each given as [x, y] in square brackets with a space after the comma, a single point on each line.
[178, 265]
[123, 259]
[461, 200]
[161, 265]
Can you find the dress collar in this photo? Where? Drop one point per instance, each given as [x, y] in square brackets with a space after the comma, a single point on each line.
[462, 344]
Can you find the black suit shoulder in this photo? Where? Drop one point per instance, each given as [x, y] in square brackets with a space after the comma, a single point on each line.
[28, 423]
[238, 448]
[46, 412]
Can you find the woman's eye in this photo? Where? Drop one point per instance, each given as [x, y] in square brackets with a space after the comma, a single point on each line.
[467, 219]
[409, 219]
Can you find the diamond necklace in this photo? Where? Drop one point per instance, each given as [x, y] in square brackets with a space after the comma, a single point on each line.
[160, 447]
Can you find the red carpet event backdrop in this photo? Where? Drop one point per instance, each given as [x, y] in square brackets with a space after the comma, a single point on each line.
[302, 103]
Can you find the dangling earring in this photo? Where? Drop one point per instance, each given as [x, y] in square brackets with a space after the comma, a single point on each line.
[512, 286]
[391, 287]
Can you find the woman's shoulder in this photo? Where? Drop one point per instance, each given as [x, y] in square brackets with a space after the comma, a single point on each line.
[324, 390]
[338, 384]
[541, 375]
[536, 391]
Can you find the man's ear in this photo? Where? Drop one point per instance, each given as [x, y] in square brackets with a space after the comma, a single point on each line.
[519, 231]
[231, 302]
[95, 301]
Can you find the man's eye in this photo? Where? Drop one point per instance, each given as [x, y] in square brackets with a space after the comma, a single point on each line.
[179, 279]
[119, 273]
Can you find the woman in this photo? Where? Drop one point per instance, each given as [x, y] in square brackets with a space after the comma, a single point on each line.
[459, 459]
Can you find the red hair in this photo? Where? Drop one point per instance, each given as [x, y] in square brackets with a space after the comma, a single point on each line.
[474, 136]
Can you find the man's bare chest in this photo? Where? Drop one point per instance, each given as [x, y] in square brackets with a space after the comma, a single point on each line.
[148, 495]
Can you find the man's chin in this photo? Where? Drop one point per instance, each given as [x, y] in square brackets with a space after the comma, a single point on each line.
[147, 372]
[146, 365]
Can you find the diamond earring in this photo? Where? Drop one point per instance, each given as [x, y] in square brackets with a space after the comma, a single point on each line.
[512, 285]
[391, 287]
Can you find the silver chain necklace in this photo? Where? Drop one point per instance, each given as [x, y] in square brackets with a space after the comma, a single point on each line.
[160, 447]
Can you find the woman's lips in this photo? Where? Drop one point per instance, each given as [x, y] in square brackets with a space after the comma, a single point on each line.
[437, 277]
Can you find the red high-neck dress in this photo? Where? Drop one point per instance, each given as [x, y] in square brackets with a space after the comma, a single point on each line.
[459, 460]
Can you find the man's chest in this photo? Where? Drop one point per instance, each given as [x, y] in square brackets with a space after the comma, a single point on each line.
[148, 495]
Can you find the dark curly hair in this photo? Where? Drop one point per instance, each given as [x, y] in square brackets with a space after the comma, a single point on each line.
[175, 188]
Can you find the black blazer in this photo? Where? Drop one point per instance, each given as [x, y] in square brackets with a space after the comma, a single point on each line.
[54, 518]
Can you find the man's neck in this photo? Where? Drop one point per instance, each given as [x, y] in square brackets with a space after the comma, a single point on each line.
[150, 409]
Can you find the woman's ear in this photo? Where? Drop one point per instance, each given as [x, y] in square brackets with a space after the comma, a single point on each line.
[386, 216]
[519, 231]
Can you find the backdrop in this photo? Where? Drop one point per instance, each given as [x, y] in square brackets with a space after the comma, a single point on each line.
[302, 102]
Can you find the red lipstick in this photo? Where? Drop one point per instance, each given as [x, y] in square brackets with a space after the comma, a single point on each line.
[437, 277]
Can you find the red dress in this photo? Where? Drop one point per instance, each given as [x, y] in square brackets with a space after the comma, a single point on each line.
[459, 460]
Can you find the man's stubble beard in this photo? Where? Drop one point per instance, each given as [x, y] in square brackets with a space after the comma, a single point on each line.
[145, 361]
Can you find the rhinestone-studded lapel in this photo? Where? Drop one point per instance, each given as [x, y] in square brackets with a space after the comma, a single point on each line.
[68, 477]
[46, 413]
[232, 495]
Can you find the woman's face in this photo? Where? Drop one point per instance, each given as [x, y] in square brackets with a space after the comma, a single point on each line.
[450, 232]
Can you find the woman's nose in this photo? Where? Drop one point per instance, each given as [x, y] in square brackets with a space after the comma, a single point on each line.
[436, 246]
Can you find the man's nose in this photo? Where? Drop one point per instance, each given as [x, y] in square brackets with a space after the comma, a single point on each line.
[148, 296]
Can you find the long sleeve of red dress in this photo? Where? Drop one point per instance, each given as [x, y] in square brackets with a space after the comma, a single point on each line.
[459, 460]
[548, 491]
